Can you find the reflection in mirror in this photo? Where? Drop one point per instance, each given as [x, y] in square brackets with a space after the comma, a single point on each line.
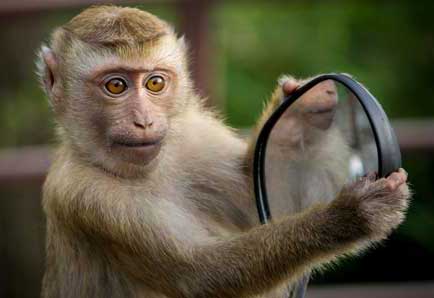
[321, 142]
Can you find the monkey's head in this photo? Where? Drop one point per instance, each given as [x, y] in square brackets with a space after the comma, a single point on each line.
[115, 78]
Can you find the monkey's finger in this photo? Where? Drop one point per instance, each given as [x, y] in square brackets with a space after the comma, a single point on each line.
[401, 170]
[399, 177]
[290, 86]
[395, 180]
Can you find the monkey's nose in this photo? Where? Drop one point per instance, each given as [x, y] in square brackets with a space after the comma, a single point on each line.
[141, 120]
[142, 124]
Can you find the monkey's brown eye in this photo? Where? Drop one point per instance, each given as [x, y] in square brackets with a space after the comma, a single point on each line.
[116, 86]
[155, 83]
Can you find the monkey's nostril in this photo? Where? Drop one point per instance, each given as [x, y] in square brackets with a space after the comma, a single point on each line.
[143, 124]
[139, 124]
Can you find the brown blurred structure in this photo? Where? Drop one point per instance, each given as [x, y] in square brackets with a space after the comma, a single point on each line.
[403, 290]
[31, 163]
[25, 168]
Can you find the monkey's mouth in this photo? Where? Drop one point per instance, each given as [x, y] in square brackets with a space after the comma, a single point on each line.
[136, 144]
[321, 111]
[137, 151]
[323, 108]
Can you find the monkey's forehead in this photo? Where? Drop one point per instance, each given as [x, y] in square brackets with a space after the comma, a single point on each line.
[165, 52]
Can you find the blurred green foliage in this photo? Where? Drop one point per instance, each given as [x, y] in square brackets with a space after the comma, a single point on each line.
[388, 46]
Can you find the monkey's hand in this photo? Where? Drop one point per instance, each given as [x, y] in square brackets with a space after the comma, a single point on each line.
[373, 207]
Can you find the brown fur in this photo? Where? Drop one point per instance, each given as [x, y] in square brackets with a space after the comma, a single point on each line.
[183, 224]
[108, 26]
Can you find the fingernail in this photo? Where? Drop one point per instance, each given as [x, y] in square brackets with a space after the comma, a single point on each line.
[396, 178]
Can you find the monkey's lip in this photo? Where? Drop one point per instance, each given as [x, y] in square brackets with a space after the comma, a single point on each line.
[319, 106]
[323, 109]
[136, 151]
[137, 144]
[319, 112]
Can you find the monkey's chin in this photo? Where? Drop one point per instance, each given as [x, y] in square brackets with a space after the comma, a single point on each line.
[321, 119]
[139, 155]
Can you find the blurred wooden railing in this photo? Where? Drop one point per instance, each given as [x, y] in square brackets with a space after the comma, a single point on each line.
[389, 290]
[25, 6]
[31, 163]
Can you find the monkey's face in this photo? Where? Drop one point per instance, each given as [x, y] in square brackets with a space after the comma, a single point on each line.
[133, 107]
[117, 107]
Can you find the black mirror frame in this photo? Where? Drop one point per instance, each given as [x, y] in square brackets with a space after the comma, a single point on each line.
[389, 155]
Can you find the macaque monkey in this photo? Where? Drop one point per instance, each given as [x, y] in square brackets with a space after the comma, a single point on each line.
[148, 194]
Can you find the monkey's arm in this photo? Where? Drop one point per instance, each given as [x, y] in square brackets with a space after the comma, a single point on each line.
[260, 259]
[247, 264]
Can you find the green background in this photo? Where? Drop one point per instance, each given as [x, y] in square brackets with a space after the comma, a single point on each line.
[388, 46]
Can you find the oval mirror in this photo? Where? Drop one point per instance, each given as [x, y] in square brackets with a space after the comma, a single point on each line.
[328, 132]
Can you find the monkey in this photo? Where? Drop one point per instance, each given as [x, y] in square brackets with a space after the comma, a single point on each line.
[147, 194]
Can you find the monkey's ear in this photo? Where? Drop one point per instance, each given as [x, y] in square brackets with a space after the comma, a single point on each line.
[48, 72]
[182, 44]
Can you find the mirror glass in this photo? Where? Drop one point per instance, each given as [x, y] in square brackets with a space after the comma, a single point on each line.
[322, 141]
